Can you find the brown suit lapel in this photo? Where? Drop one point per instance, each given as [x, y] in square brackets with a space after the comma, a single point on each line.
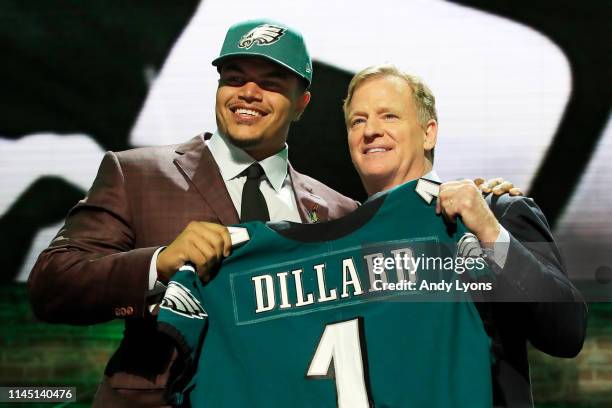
[198, 165]
[311, 207]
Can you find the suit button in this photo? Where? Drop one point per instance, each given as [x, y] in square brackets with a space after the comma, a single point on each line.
[120, 311]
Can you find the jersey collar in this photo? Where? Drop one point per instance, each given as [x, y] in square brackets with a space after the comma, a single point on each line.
[432, 175]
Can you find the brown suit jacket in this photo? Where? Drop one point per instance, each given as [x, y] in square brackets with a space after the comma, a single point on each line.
[96, 268]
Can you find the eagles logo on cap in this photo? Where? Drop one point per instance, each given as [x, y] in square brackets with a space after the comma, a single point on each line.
[264, 34]
[290, 53]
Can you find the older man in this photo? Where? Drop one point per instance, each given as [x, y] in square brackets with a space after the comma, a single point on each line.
[392, 131]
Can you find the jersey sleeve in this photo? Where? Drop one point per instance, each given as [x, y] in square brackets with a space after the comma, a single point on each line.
[182, 317]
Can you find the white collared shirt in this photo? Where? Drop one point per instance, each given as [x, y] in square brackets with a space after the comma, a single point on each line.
[276, 187]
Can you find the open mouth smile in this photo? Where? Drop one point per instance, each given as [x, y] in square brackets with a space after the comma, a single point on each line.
[374, 150]
[247, 113]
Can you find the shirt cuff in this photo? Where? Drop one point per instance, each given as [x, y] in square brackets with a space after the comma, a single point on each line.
[500, 248]
[153, 270]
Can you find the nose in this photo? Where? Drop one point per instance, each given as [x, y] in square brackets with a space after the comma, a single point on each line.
[249, 92]
[372, 129]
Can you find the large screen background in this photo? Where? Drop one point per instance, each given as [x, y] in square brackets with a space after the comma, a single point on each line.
[523, 92]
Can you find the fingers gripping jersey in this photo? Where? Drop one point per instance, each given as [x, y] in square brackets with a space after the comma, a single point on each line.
[310, 315]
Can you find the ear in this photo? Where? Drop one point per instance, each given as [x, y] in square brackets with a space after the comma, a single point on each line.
[300, 106]
[431, 135]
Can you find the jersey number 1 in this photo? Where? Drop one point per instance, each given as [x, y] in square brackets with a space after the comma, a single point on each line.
[341, 344]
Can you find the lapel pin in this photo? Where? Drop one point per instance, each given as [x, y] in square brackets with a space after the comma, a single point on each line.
[312, 214]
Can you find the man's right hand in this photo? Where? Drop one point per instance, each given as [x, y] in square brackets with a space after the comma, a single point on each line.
[202, 243]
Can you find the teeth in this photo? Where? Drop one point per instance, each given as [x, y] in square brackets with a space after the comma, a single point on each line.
[250, 112]
[376, 150]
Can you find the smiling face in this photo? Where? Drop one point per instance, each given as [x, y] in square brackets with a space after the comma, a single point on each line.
[256, 102]
[386, 141]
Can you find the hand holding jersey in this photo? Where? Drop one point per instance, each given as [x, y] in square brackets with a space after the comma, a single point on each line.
[464, 199]
[201, 243]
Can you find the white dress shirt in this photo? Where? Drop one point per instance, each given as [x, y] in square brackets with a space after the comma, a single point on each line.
[276, 188]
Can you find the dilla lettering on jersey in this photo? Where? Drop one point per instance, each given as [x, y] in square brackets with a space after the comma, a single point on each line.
[336, 279]
[351, 286]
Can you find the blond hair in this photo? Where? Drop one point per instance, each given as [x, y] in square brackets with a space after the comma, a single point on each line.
[423, 98]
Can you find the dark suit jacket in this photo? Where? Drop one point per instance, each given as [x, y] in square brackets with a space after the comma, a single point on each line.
[96, 268]
[542, 306]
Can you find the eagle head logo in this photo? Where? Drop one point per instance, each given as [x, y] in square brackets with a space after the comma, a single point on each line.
[264, 34]
[178, 299]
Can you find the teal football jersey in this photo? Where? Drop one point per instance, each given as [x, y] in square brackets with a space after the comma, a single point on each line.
[372, 309]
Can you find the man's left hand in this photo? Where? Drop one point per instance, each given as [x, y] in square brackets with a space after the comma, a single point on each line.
[464, 199]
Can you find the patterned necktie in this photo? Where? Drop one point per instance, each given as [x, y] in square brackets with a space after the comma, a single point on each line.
[253, 207]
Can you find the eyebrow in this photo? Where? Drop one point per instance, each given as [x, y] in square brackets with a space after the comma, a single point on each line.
[381, 110]
[385, 109]
[231, 67]
[276, 73]
[378, 111]
[357, 113]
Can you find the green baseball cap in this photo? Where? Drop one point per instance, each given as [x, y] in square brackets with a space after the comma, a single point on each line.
[271, 40]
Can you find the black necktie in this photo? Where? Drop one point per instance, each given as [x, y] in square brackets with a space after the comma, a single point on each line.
[253, 207]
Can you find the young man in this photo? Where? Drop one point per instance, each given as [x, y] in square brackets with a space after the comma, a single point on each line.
[106, 259]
